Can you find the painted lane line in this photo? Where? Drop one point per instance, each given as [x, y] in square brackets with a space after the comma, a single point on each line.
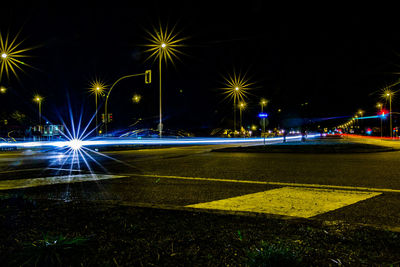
[39, 169]
[66, 179]
[21, 170]
[340, 187]
[289, 201]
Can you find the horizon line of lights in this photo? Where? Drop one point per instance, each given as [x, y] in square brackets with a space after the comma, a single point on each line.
[372, 117]
[76, 143]
[347, 124]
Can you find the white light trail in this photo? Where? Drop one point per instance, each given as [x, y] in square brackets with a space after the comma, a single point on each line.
[77, 143]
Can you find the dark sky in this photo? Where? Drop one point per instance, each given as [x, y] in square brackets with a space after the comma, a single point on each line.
[332, 57]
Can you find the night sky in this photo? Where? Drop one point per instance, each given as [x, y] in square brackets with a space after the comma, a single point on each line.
[334, 58]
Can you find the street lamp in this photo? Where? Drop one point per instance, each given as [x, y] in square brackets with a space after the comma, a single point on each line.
[97, 87]
[263, 102]
[11, 55]
[3, 90]
[163, 46]
[146, 74]
[39, 99]
[242, 105]
[389, 94]
[380, 106]
[136, 98]
[360, 113]
[236, 88]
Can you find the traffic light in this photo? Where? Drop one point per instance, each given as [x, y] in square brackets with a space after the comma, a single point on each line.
[383, 113]
[147, 76]
[102, 117]
[110, 117]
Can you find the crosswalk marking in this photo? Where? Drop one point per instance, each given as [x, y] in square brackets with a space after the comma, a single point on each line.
[289, 201]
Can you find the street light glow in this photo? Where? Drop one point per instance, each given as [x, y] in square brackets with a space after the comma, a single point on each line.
[236, 86]
[166, 39]
[37, 98]
[387, 93]
[263, 102]
[97, 87]
[10, 60]
[75, 144]
[164, 44]
[136, 98]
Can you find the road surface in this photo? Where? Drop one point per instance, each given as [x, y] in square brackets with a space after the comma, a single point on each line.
[362, 188]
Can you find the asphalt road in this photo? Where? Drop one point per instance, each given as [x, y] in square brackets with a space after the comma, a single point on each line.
[174, 177]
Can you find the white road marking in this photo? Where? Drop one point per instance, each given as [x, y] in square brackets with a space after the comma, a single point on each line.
[371, 189]
[66, 179]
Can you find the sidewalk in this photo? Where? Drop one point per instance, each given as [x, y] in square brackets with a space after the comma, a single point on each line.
[372, 140]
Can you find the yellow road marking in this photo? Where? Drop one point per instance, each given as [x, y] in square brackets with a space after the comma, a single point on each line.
[371, 189]
[65, 179]
[289, 201]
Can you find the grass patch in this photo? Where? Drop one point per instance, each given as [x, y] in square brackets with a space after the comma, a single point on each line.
[267, 254]
[50, 250]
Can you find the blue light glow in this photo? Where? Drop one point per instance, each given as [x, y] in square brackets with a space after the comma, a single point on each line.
[72, 143]
[372, 117]
[262, 115]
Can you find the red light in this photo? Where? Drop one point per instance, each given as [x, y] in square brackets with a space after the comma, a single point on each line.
[383, 113]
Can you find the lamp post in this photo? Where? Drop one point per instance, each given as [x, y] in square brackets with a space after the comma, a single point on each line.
[263, 103]
[97, 88]
[38, 99]
[390, 113]
[95, 97]
[160, 125]
[242, 105]
[112, 86]
[236, 87]
[237, 91]
[380, 106]
[163, 45]
[360, 113]
[389, 95]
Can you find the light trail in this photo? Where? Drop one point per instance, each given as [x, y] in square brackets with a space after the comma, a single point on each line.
[372, 117]
[75, 143]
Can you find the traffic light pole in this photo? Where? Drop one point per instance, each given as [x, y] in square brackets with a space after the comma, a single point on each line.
[147, 75]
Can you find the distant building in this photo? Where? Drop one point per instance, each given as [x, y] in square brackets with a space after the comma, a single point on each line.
[49, 130]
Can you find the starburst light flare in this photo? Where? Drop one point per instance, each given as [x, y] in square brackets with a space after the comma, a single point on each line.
[236, 86]
[98, 88]
[164, 44]
[11, 56]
